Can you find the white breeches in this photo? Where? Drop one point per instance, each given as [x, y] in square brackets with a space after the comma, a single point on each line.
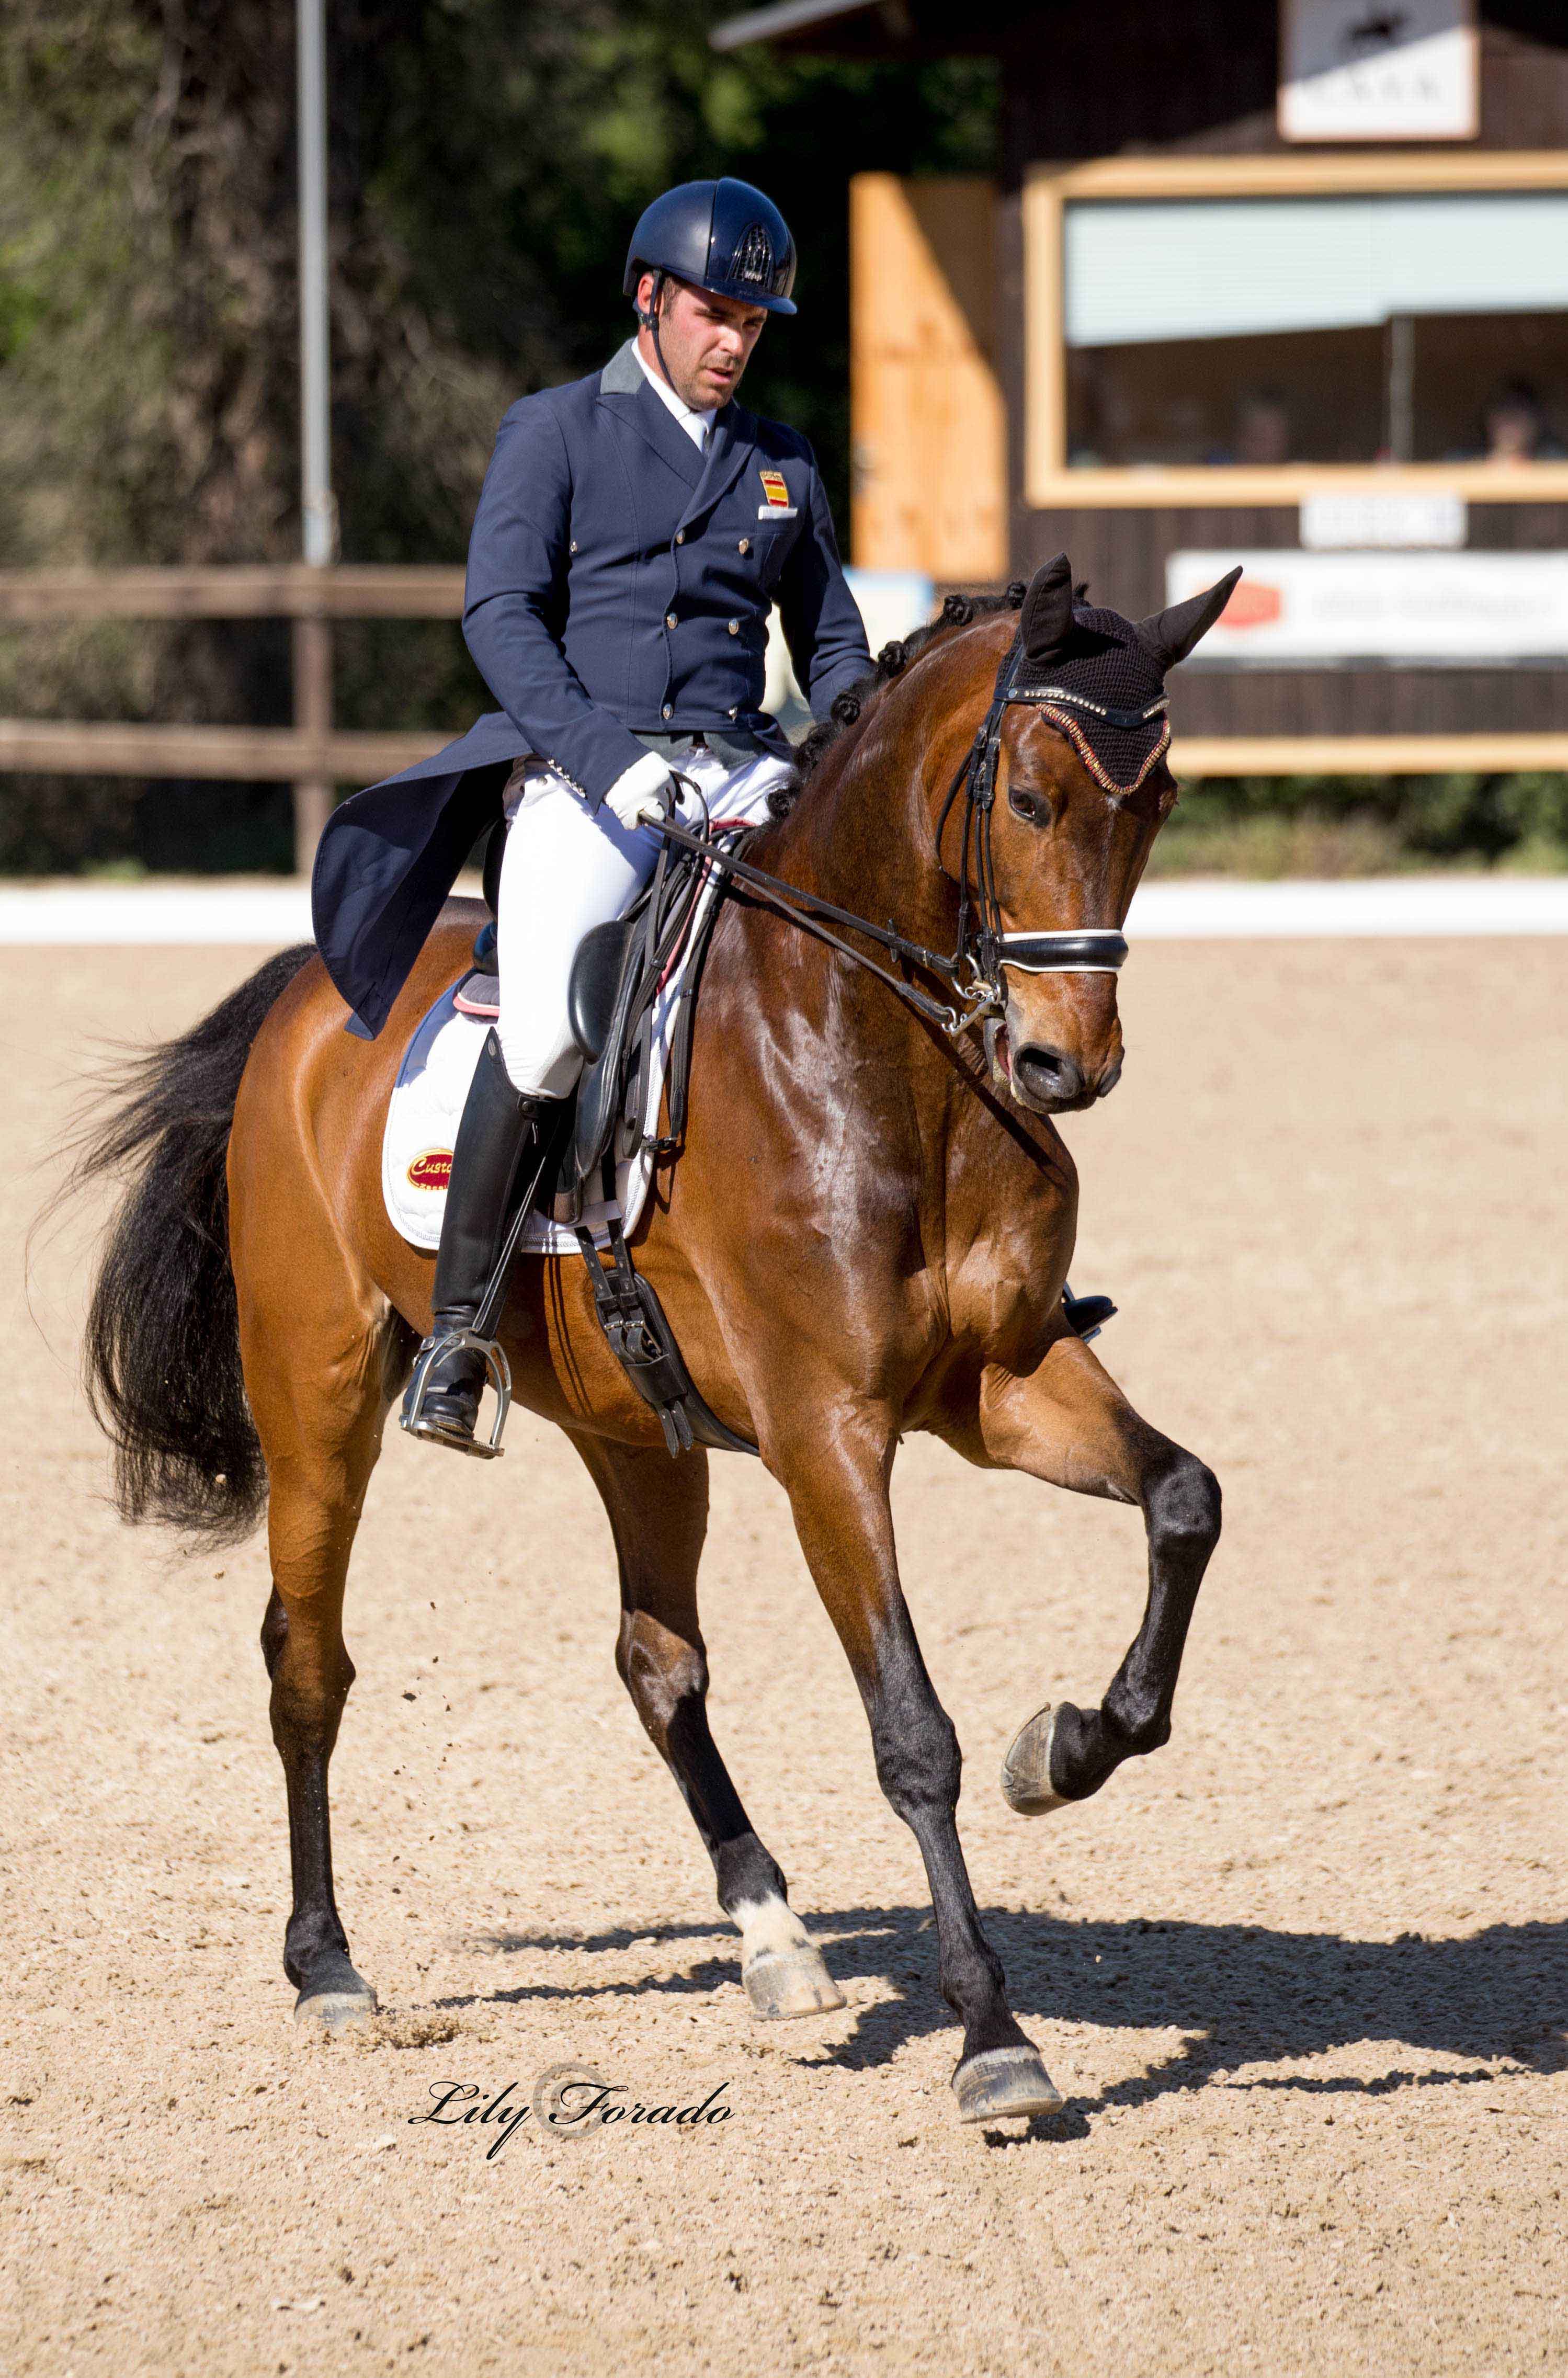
[567, 867]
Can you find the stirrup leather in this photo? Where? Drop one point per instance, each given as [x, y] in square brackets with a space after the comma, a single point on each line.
[458, 1341]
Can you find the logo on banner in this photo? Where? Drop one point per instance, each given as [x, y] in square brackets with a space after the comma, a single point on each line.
[1253, 606]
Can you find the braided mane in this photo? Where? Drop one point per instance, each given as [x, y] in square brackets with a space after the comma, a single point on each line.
[958, 611]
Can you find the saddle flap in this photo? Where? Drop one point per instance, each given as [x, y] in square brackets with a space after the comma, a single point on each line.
[598, 973]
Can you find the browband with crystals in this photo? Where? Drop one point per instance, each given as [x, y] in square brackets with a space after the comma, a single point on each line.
[1124, 718]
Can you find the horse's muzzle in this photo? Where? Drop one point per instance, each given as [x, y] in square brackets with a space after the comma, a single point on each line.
[1049, 1078]
[1044, 1077]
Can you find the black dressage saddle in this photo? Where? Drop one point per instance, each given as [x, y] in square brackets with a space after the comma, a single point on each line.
[611, 1001]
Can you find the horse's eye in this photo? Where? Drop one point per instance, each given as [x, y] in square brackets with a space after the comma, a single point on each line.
[1028, 805]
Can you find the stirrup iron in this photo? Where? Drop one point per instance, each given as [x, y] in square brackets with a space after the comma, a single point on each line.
[456, 1341]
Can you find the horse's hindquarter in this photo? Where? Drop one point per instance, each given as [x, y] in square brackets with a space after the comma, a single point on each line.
[307, 1225]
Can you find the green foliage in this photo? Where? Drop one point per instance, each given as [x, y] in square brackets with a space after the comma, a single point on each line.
[487, 162]
[1363, 825]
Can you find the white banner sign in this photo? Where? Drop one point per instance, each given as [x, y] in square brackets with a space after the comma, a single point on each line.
[1333, 519]
[1371, 70]
[1464, 608]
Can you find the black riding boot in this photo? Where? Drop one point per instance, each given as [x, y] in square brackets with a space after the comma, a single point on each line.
[501, 1142]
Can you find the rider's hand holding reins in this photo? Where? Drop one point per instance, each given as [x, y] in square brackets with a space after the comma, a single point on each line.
[644, 794]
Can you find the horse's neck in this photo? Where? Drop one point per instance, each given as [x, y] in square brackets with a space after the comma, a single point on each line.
[858, 837]
[864, 841]
[861, 838]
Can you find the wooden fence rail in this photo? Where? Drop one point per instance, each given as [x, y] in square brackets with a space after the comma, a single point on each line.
[239, 754]
[313, 757]
[291, 591]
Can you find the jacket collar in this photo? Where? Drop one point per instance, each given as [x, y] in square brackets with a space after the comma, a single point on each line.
[624, 378]
[708, 475]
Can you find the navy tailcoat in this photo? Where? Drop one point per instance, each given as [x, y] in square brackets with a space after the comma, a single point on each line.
[618, 588]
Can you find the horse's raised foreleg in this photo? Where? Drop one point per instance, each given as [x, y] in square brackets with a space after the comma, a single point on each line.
[658, 1515]
[837, 1487]
[1068, 1423]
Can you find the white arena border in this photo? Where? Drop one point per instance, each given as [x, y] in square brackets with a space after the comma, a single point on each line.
[268, 916]
[1359, 908]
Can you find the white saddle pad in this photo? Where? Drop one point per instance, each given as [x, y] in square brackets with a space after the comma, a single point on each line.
[428, 1100]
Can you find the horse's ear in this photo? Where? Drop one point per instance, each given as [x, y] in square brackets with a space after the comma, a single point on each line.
[1170, 635]
[1047, 608]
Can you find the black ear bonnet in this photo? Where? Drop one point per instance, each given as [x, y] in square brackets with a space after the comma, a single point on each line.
[1100, 678]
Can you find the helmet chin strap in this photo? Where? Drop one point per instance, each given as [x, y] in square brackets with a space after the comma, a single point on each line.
[649, 321]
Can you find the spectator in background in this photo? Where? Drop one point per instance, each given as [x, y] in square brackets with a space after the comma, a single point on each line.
[1262, 436]
[1514, 423]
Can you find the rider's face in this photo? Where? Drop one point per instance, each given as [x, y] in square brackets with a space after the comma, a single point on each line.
[707, 340]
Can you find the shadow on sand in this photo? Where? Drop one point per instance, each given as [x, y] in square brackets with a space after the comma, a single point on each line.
[1244, 1996]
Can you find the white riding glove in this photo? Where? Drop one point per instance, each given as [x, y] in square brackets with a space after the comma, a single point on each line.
[633, 797]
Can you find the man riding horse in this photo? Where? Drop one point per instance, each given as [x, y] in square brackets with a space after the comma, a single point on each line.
[867, 1233]
[633, 531]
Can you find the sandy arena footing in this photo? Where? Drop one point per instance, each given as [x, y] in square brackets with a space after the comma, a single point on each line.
[1299, 1978]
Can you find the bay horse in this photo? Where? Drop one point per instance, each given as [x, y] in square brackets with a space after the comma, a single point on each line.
[866, 1231]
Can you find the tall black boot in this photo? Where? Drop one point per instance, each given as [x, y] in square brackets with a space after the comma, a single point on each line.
[503, 1141]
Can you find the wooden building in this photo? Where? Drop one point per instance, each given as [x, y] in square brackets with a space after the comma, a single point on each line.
[1288, 285]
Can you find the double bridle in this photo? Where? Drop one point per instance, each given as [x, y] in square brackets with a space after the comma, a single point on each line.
[982, 948]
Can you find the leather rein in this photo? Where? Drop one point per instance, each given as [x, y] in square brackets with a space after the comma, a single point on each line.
[982, 948]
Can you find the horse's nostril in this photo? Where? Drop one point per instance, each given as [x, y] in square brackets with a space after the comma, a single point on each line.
[1048, 1073]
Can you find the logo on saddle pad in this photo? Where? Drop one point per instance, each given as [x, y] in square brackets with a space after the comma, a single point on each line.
[431, 1169]
[773, 486]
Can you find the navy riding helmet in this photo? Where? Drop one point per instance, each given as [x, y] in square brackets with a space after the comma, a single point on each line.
[722, 236]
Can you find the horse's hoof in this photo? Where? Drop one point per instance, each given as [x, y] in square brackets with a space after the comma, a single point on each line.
[1004, 2081]
[781, 1968]
[781, 1984]
[327, 2014]
[1026, 1771]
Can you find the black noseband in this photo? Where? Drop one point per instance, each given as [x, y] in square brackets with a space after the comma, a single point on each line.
[1094, 949]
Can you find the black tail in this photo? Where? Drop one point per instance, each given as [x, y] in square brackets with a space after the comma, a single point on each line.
[161, 1358]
